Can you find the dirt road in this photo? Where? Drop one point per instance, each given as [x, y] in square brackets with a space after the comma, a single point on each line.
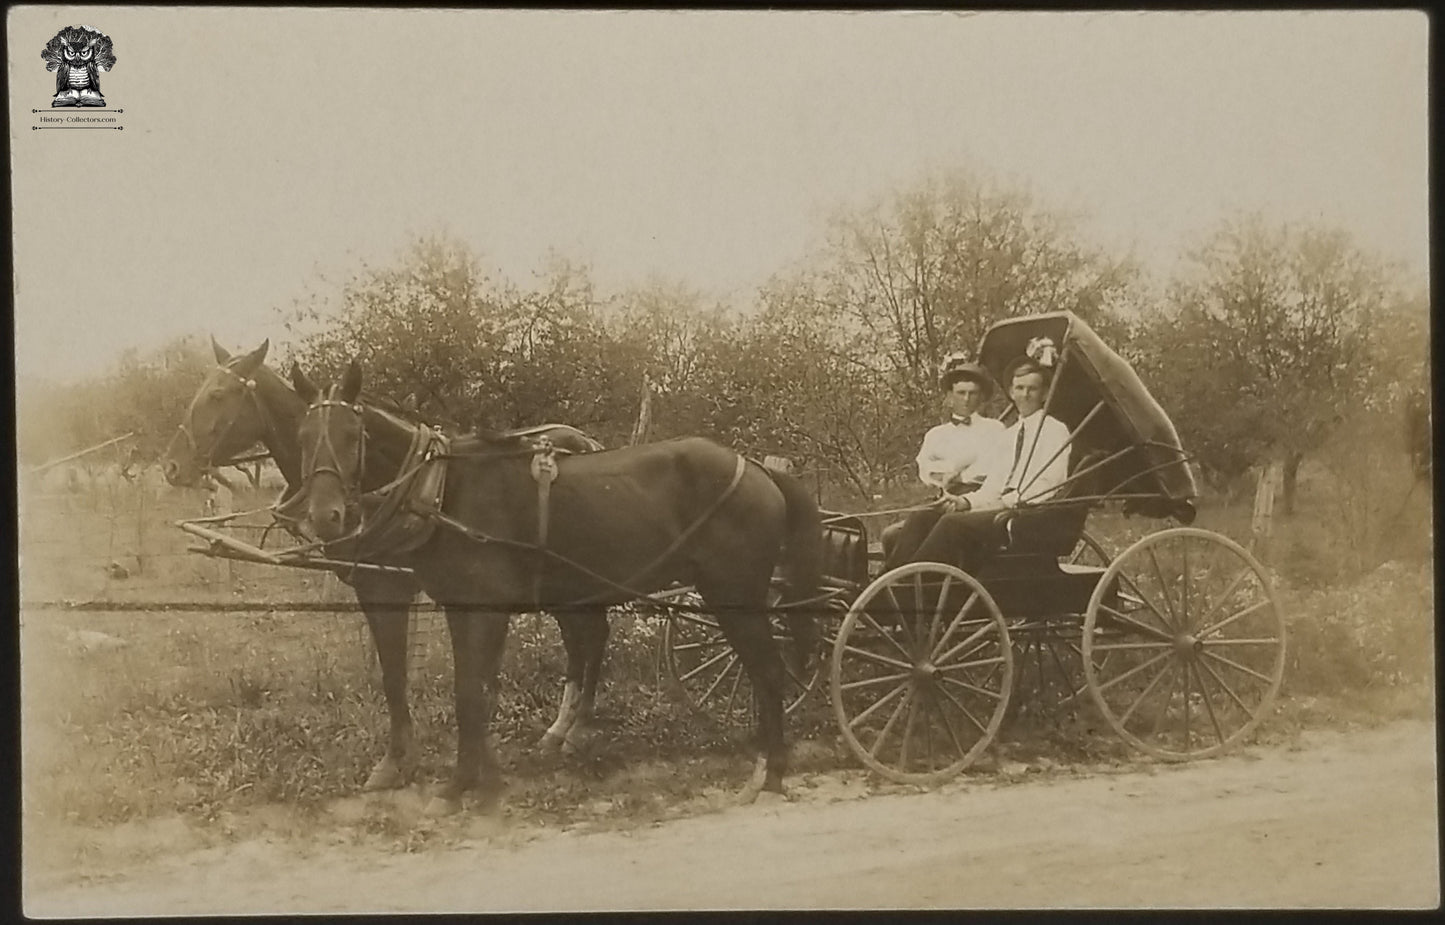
[1342, 820]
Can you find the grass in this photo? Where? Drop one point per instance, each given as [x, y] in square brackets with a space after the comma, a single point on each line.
[207, 715]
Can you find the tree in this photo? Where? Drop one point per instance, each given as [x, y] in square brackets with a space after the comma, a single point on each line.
[926, 271]
[1265, 342]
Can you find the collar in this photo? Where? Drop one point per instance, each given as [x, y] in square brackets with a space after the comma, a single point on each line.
[1032, 420]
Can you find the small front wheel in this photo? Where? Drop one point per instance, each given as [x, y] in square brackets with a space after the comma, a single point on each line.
[921, 673]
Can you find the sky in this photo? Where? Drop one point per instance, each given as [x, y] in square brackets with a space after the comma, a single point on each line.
[267, 153]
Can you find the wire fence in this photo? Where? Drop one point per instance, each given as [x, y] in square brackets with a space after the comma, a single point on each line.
[109, 545]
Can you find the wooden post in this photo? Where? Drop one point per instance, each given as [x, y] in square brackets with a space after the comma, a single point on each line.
[1262, 521]
[644, 414]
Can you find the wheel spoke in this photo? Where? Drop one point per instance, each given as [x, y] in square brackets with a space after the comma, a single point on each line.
[876, 705]
[947, 723]
[1184, 615]
[1202, 634]
[733, 691]
[1186, 682]
[870, 682]
[1142, 629]
[888, 726]
[707, 664]
[953, 625]
[1112, 646]
[863, 614]
[972, 638]
[1160, 716]
[964, 710]
[938, 613]
[880, 659]
[1233, 584]
[1264, 641]
[686, 617]
[908, 730]
[1208, 703]
[716, 681]
[1147, 602]
[1163, 586]
[689, 646]
[945, 679]
[1227, 689]
[1064, 673]
[1133, 671]
[1124, 718]
[1237, 666]
[956, 666]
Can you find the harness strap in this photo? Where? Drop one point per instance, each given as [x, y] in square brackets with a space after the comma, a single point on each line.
[544, 470]
[483, 537]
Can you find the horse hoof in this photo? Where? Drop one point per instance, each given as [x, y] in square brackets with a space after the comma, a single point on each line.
[385, 776]
[439, 806]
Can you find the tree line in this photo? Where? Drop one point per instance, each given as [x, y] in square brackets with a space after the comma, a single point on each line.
[1266, 342]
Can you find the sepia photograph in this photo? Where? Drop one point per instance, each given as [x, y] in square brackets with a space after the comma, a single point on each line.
[520, 460]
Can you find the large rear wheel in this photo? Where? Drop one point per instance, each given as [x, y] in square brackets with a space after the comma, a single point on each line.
[1183, 644]
[921, 673]
[702, 664]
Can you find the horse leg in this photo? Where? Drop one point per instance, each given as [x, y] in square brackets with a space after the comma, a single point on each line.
[479, 639]
[574, 639]
[386, 603]
[595, 630]
[748, 632]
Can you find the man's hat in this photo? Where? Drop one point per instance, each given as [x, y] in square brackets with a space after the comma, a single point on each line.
[957, 366]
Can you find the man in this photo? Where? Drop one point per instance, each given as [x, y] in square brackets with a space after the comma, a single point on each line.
[954, 454]
[1029, 463]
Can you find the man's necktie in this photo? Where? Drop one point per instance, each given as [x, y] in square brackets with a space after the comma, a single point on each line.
[1018, 452]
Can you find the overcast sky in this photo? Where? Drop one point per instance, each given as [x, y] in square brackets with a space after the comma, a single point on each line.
[264, 148]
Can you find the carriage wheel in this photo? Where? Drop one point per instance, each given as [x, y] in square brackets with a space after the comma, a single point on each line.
[703, 665]
[1183, 644]
[921, 673]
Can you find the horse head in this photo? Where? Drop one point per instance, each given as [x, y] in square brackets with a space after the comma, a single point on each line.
[223, 419]
[333, 447]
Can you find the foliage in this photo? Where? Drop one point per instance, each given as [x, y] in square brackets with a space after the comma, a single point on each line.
[146, 393]
[1285, 317]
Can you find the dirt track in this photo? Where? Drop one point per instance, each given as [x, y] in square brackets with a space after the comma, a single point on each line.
[1344, 820]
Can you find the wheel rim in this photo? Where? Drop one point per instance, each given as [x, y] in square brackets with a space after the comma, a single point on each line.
[702, 664]
[1183, 644]
[921, 672]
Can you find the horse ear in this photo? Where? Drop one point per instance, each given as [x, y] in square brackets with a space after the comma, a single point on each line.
[253, 360]
[304, 387]
[351, 382]
[222, 356]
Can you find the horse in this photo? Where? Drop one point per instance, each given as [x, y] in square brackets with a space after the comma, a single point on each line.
[242, 402]
[619, 523]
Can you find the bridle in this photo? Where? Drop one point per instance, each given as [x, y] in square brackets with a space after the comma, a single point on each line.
[331, 462]
[209, 461]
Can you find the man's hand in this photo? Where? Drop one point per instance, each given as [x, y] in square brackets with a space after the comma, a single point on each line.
[953, 503]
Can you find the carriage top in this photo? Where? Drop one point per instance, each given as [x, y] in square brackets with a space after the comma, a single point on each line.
[1110, 414]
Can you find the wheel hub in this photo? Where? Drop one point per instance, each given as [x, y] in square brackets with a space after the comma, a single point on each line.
[1188, 644]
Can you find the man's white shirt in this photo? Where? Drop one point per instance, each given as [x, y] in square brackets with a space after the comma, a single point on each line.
[1042, 466]
[958, 451]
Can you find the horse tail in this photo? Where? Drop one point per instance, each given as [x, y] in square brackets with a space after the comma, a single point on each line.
[802, 561]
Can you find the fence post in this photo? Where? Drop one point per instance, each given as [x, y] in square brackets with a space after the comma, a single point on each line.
[1262, 520]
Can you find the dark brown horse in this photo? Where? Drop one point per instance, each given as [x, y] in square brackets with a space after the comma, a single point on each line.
[619, 523]
[243, 402]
